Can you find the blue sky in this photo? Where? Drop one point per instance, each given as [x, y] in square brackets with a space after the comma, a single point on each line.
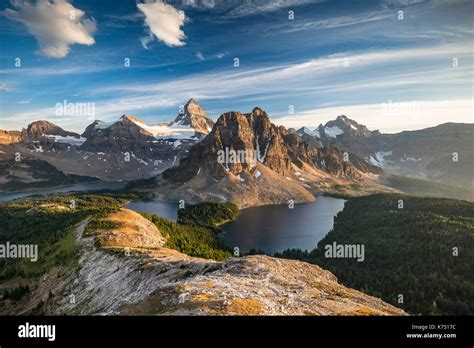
[387, 69]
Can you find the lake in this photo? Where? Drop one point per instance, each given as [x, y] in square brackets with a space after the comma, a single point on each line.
[269, 228]
[275, 228]
[164, 209]
[272, 228]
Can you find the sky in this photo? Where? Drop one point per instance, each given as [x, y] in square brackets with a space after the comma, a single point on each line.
[392, 65]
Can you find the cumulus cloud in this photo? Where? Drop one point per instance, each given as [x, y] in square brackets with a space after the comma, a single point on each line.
[55, 24]
[164, 22]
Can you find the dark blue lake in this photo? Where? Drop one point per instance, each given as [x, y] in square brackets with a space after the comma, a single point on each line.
[276, 228]
[269, 228]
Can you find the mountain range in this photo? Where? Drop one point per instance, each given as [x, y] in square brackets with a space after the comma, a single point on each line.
[126, 149]
[243, 157]
[443, 153]
[279, 166]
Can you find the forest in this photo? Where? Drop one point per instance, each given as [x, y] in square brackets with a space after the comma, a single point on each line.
[48, 222]
[196, 232]
[419, 252]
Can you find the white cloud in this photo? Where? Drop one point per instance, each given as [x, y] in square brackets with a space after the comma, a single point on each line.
[164, 22]
[55, 24]
[220, 55]
[199, 56]
[5, 87]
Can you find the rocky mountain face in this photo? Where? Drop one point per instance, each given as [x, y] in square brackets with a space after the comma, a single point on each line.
[260, 141]
[309, 136]
[194, 116]
[248, 160]
[9, 137]
[130, 133]
[442, 153]
[46, 136]
[118, 137]
[329, 159]
[251, 135]
[41, 130]
[152, 279]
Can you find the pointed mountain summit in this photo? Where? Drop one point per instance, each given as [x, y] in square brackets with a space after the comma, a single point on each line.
[131, 118]
[251, 134]
[348, 126]
[132, 133]
[38, 130]
[195, 117]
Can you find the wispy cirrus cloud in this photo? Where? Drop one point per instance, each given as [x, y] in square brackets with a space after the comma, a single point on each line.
[229, 9]
[319, 79]
[56, 25]
[330, 23]
[256, 7]
[293, 76]
[163, 22]
[400, 3]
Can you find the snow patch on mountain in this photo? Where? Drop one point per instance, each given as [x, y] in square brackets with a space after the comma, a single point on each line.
[406, 158]
[313, 133]
[104, 125]
[68, 139]
[333, 131]
[379, 159]
[164, 131]
[160, 131]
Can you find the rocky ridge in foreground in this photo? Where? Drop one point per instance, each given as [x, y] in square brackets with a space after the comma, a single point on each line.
[155, 280]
